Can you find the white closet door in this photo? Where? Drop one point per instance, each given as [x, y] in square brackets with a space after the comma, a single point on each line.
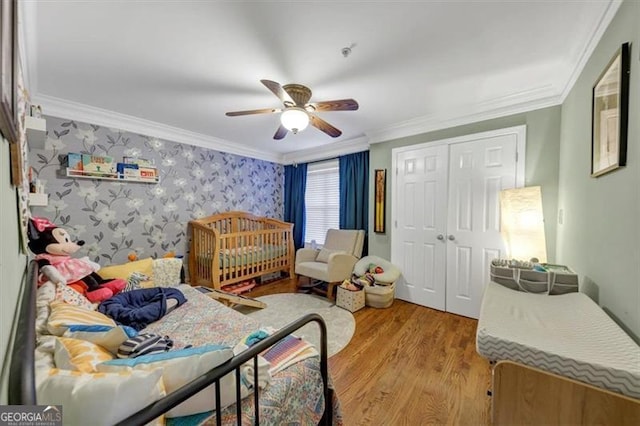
[478, 171]
[419, 243]
[451, 188]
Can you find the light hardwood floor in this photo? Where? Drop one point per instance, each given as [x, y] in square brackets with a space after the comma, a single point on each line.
[408, 365]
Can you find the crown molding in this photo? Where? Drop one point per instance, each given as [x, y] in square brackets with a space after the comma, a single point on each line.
[27, 46]
[596, 35]
[327, 151]
[500, 107]
[516, 103]
[62, 108]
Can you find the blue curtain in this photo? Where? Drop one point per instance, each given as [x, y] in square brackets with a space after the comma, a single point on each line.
[295, 183]
[354, 191]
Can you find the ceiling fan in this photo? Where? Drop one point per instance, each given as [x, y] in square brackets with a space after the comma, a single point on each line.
[298, 112]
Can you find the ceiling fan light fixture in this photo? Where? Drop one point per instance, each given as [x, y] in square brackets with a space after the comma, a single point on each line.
[294, 119]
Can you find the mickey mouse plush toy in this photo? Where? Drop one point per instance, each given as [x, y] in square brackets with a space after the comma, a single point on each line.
[53, 247]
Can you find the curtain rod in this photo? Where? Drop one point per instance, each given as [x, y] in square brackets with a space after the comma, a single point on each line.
[328, 159]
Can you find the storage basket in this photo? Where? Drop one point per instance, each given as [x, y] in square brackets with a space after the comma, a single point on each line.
[379, 296]
[350, 300]
[558, 279]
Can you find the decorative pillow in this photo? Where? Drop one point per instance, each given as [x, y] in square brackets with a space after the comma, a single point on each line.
[144, 344]
[72, 297]
[106, 336]
[179, 368]
[167, 272]
[74, 354]
[144, 266]
[64, 315]
[99, 398]
[324, 254]
[136, 280]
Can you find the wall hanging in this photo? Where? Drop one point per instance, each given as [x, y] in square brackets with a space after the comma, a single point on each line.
[380, 201]
[610, 110]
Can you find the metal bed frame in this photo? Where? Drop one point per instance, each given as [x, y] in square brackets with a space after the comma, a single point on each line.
[22, 367]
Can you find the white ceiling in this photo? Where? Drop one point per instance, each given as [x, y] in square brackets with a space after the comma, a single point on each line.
[173, 68]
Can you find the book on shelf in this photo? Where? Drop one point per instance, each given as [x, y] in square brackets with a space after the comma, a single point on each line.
[74, 161]
[128, 171]
[95, 165]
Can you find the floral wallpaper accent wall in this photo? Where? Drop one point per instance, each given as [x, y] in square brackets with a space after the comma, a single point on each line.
[118, 218]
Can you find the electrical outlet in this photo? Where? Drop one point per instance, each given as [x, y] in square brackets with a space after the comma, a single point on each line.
[560, 216]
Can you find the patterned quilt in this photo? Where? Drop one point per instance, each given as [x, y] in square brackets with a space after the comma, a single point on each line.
[294, 395]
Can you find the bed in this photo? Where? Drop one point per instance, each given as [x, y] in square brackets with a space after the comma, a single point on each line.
[567, 336]
[295, 395]
[233, 247]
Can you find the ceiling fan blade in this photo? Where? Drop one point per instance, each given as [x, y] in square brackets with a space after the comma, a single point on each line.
[338, 105]
[320, 124]
[253, 111]
[281, 132]
[278, 91]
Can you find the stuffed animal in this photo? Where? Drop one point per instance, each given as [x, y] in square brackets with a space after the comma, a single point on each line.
[53, 246]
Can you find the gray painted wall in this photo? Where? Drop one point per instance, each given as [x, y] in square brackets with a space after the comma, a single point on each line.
[541, 168]
[600, 236]
[12, 263]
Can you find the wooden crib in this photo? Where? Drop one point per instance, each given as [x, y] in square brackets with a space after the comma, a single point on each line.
[232, 247]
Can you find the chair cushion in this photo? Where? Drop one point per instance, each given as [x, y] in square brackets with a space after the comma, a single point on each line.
[325, 253]
[348, 240]
[317, 270]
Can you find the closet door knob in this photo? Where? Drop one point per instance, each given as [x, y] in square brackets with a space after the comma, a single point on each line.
[451, 238]
[440, 237]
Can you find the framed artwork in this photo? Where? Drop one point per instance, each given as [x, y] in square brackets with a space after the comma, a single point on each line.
[8, 83]
[380, 200]
[610, 115]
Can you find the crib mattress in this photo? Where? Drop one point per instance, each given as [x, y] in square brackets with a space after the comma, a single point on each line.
[568, 334]
[243, 257]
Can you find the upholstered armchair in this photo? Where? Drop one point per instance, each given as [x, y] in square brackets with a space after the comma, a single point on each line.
[334, 262]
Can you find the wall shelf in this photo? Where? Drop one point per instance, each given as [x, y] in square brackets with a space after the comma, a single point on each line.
[36, 131]
[38, 199]
[81, 174]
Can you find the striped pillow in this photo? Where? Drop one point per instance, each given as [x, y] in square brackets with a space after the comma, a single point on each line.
[64, 315]
[74, 354]
[108, 337]
[144, 344]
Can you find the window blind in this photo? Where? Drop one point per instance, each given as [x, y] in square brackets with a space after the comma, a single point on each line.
[322, 200]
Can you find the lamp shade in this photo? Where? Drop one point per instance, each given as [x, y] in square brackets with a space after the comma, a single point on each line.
[522, 223]
[294, 119]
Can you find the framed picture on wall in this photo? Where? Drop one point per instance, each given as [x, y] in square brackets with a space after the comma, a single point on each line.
[380, 200]
[8, 80]
[610, 115]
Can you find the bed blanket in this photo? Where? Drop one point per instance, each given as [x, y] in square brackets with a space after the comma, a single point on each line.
[294, 395]
[139, 308]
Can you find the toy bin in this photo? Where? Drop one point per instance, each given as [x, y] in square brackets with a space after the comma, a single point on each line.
[350, 300]
[379, 296]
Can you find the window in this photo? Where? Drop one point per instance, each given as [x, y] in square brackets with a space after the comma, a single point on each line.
[322, 200]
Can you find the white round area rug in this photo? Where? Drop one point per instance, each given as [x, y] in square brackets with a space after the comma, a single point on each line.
[283, 309]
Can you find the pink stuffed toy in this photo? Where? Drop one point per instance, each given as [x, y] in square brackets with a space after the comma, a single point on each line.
[53, 247]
